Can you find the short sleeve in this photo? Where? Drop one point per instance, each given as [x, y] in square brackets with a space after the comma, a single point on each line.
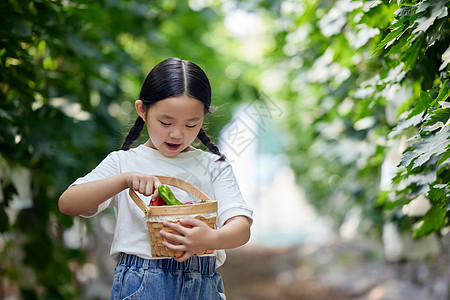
[107, 168]
[229, 197]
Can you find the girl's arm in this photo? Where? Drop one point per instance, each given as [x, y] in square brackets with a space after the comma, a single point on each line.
[200, 237]
[82, 198]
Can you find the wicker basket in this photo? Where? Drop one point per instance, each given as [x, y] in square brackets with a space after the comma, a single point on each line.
[156, 215]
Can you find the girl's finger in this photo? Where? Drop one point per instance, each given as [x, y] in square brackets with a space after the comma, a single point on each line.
[148, 189]
[156, 183]
[178, 228]
[174, 238]
[135, 184]
[174, 248]
[191, 222]
[142, 186]
[182, 258]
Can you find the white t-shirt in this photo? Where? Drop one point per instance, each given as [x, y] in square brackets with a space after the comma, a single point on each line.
[199, 168]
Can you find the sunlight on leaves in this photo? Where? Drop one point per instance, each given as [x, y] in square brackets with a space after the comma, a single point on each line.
[422, 151]
[438, 11]
[432, 221]
[445, 59]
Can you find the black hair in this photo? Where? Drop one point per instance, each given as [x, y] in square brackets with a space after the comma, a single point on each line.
[174, 77]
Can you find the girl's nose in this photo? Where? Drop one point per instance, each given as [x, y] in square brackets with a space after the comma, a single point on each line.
[176, 133]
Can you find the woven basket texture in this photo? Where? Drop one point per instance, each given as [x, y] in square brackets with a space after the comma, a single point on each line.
[156, 240]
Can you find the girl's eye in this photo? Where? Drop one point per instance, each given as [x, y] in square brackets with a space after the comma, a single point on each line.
[165, 124]
[191, 126]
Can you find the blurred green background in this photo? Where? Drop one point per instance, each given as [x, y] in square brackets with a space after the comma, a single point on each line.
[362, 88]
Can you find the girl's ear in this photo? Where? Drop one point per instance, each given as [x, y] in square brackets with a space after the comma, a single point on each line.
[139, 105]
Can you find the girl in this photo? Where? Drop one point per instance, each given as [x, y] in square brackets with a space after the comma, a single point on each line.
[174, 99]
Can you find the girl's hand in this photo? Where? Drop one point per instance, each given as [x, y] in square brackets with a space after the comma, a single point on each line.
[197, 237]
[143, 183]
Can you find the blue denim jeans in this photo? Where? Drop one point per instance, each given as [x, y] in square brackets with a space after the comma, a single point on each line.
[167, 279]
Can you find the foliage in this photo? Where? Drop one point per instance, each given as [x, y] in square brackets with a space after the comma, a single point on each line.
[419, 47]
[367, 79]
[69, 73]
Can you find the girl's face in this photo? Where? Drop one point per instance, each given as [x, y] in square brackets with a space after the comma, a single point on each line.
[172, 123]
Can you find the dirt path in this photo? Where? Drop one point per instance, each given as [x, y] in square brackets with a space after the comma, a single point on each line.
[338, 271]
[257, 274]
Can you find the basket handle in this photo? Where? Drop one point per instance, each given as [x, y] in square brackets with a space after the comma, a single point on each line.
[186, 186]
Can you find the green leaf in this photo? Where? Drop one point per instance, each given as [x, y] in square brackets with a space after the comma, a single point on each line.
[422, 179]
[445, 59]
[411, 55]
[382, 198]
[421, 105]
[436, 32]
[431, 222]
[444, 157]
[390, 205]
[438, 10]
[390, 38]
[405, 10]
[444, 92]
[437, 194]
[399, 22]
[420, 152]
[397, 47]
[402, 125]
[441, 115]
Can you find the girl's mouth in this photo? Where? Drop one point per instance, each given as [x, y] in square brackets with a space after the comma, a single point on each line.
[173, 147]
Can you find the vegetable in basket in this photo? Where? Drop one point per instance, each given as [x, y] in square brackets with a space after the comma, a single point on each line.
[166, 194]
[158, 202]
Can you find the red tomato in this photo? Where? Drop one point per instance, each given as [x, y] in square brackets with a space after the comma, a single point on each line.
[158, 202]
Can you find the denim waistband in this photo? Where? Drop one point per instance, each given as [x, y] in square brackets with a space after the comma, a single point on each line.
[205, 265]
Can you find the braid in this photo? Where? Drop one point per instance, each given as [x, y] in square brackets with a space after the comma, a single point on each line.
[134, 133]
[204, 138]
